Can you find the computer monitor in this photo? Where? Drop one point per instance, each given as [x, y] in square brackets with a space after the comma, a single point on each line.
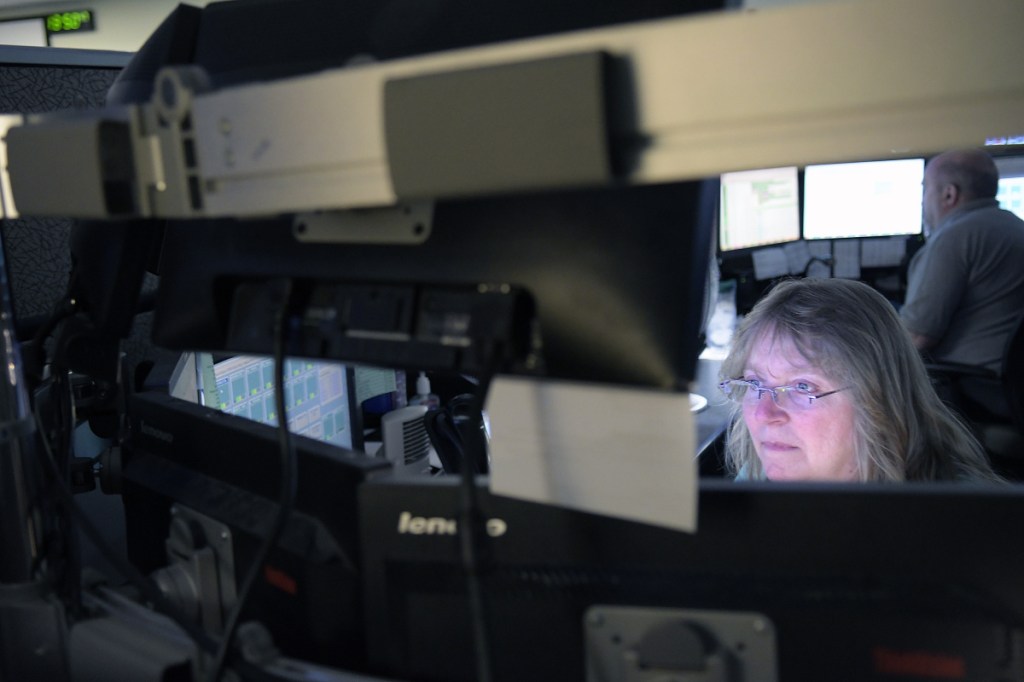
[863, 199]
[319, 396]
[610, 286]
[1011, 183]
[759, 208]
[612, 272]
[851, 582]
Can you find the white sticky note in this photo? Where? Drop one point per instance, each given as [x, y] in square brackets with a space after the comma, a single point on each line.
[769, 263]
[820, 248]
[846, 258]
[882, 253]
[798, 255]
[623, 452]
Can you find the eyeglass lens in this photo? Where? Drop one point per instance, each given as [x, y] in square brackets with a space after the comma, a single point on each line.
[784, 396]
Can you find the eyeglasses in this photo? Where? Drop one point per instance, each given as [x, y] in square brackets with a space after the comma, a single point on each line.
[749, 391]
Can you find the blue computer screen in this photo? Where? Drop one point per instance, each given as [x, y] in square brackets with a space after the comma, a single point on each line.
[317, 395]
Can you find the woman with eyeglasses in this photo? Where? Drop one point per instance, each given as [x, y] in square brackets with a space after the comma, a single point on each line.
[828, 387]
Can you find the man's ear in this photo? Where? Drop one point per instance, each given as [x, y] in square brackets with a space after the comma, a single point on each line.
[950, 195]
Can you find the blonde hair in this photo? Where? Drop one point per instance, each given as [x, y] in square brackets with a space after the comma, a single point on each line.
[854, 336]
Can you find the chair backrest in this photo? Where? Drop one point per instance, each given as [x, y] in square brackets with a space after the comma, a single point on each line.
[1013, 374]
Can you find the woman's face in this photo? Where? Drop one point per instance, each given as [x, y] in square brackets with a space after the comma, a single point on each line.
[811, 444]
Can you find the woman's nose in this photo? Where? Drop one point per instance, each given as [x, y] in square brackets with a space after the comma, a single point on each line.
[767, 409]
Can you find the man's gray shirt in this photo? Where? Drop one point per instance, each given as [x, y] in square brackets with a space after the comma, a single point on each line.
[965, 287]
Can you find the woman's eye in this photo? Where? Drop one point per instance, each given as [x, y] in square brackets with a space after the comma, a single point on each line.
[803, 387]
[755, 383]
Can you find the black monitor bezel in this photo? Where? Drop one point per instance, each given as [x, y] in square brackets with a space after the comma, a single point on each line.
[914, 567]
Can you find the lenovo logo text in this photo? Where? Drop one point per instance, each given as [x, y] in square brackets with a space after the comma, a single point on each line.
[438, 525]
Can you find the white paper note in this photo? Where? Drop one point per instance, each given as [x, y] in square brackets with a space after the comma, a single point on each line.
[847, 258]
[798, 255]
[770, 262]
[882, 253]
[622, 452]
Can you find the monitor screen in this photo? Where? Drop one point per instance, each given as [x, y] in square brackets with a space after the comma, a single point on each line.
[318, 396]
[863, 199]
[1011, 183]
[758, 208]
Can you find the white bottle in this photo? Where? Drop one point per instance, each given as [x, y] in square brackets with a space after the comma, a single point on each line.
[423, 395]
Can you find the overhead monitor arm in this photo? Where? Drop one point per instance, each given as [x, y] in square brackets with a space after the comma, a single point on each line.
[634, 104]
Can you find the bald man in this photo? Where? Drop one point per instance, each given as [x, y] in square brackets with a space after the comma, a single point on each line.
[965, 286]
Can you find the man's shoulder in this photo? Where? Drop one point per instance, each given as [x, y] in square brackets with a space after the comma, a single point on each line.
[985, 222]
[983, 212]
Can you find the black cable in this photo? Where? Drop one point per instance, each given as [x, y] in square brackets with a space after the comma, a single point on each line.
[471, 524]
[288, 487]
[63, 414]
[459, 457]
[468, 409]
[36, 360]
[444, 437]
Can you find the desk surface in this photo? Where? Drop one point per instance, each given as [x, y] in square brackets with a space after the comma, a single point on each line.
[713, 420]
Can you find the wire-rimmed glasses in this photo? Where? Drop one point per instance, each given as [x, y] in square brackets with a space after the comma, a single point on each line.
[749, 391]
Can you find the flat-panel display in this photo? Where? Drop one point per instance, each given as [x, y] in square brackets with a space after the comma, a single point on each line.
[759, 208]
[863, 199]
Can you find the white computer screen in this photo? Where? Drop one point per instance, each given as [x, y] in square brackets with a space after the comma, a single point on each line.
[863, 199]
[758, 208]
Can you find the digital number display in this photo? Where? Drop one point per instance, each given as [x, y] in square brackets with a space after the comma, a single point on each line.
[66, 22]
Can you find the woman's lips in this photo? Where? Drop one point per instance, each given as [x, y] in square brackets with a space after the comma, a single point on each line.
[776, 446]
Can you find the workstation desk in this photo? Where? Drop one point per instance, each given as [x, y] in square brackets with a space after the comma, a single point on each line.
[712, 419]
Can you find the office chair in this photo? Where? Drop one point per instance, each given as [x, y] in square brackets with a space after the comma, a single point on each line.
[1000, 431]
